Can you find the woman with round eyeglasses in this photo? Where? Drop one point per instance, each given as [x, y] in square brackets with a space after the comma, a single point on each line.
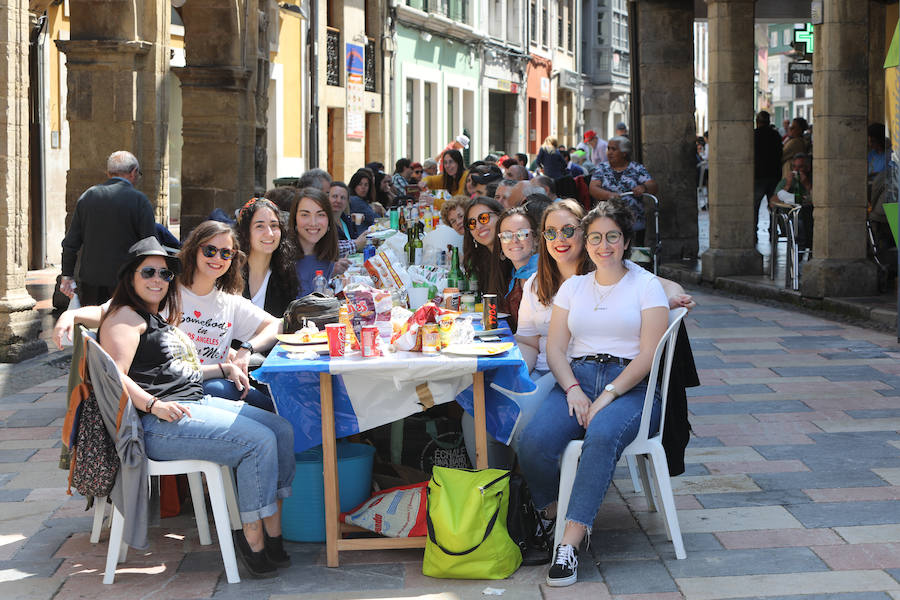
[609, 322]
[481, 251]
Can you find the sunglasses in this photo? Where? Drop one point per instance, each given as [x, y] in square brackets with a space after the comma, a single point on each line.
[567, 231]
[150, 272]
[596, 238]
[209, 251]
[484, 218]
[508, 236]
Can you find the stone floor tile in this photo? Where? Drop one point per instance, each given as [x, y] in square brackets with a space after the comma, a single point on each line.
[731, 390]
[764, 439]
[28, 443]
[37, 478]
[20, 398]
[713, 484]
[860, 556]
[660, 596]
[743, 500]
[842, 514]
[842, 475]
[45, 494]
[32, 588]
[740, 409]
[712, 520]
[788, 428]
[816, 415]
[760, 466]
[835, 426]
[636, 576]
[777, 538]
[16, 456]
[147, 583]
[45, 454]
[720, 454]
[576, 592]
[854, 494]
[864, 534]
[833, 582]
[741, 346]
[14, 495]
[746, 562]
[891, 475]
[30, 433]
[682, 502]
[35, 417]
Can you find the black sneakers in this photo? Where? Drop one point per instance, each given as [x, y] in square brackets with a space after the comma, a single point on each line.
[275, 551]
[255, 562]
[564, 570]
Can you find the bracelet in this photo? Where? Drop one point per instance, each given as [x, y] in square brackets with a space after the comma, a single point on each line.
[570, 387]
[224, 376]
[149, 406]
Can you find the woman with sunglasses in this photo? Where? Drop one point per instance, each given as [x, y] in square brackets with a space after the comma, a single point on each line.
[453, 179]
[316, 238]
[270, 281]
[481, 248]
[613, 319]
[162, 375]
[518, 244]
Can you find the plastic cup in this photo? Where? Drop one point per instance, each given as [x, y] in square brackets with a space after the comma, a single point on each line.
[395, 218]
[417, 297]
[358, 218]
[337, 336]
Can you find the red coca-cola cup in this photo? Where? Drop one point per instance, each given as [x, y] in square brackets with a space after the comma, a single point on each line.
[337, 339]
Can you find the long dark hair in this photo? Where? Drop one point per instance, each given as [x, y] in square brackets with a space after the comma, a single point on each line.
[451, 184]
[359, 176]
[327, 247]
[126, 295]
[548, 279]
[282, 261]
[486, 262]
[231, 281]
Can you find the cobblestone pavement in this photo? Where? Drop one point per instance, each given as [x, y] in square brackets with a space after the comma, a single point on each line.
[791, 491]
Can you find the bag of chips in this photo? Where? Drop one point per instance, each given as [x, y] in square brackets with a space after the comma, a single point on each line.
[410, 335]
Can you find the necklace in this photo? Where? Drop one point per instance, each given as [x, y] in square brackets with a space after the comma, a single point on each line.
[600, 298]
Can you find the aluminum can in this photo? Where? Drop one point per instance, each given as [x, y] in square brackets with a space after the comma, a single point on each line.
[467, 302]
[368, 343]
[489, 314]
[337, 336]
[431, 338]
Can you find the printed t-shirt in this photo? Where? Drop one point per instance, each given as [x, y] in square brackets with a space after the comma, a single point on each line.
[213, 320]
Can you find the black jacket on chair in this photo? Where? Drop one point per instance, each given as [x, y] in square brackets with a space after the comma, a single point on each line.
[677, 432]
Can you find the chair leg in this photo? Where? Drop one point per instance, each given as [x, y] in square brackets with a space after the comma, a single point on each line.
[231, 498]
[115, 546]
[199, 502]
[633, 471]
[217, 497]
[647, 484]
[99, 515]
[667, 499]
[568, 467]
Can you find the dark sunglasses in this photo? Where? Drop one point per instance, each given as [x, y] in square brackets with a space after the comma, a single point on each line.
[150, 272]
[209, 251]
[483, 218]
[567, 231]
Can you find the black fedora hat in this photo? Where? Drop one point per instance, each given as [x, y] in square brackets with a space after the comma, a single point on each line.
[149, 246]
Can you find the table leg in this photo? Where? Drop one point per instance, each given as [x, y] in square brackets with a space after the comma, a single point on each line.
[481, 457]
[329, 461]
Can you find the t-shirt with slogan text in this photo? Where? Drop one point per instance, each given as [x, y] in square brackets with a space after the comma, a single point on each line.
[213, 320]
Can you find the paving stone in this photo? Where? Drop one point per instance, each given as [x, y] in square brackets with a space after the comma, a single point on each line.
[747, 499]
[32, 588]
[304, 579]
[761, 466]
[35, 417]
[815, 342]
[857, 373]
[751, 352]
[891, 492]
[9, 456]
[860, 556]
[713, 484]
[20, 398]
[891, 475]
[712, 520]
[764, 439]
[736, 408]
[704, 442]
[864, 534]
[13, 495]
[728, 419]
[746, 562]
[622, 544]
[863, 354]
[874, 414]
[850, 425]
[856, 450]
[636, 576]
[20, 444]
[713, 454]
[719, 321]
[816, 479]
[11, 570]
[777, 538]
[833, 582]
[847, 596]
[749, 347]
[841, 514]
[715, 390]
[895, 573]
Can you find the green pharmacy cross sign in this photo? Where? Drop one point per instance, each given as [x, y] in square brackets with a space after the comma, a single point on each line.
[805, 36]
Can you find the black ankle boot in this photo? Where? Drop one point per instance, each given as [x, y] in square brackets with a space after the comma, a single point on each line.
[255, 562]
[275, 551]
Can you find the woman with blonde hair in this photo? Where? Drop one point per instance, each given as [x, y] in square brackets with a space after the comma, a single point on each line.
[549, 160]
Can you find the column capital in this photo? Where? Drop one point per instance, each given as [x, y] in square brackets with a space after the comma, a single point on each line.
[110, 51]
[219, 77]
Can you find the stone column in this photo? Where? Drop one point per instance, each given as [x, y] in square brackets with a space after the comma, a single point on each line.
[20, 325]
[732, 247]
[878, 46]
[840, 89]
[666, 108]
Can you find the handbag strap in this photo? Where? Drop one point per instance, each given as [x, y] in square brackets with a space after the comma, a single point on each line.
[487, 531]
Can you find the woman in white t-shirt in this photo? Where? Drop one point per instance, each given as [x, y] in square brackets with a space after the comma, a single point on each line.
[215, 313]
[613, 318]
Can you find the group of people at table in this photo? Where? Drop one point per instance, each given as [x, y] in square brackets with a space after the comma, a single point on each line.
[182, 329]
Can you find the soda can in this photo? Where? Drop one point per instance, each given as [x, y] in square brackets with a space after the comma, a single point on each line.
[431, 338]
[467, 302]
[337, 339]
[369, 341]
[489, 314]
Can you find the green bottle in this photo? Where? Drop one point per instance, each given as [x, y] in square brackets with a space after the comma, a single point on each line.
[453, 274]
[417, 243]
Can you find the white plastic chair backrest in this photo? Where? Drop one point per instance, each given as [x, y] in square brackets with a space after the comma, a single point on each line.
[662, 357]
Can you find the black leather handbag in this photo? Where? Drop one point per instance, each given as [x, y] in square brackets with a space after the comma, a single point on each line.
[315, 308]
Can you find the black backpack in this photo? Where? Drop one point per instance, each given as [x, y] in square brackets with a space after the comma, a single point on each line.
[525, 526]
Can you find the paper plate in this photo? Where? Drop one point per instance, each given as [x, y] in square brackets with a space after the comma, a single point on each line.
[300, 339]
[479, 348]
[299, 348]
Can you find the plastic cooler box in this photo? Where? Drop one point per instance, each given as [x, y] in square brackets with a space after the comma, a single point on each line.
[303, 514]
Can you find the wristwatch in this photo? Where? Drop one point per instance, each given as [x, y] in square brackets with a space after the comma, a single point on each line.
[611, 389]
[247, 346]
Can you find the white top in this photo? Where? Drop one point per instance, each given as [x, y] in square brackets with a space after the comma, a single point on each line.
[213, 320]
[534, 319]
[607, 318]
[259, 299]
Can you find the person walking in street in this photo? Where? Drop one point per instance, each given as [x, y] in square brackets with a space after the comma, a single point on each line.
[108, 219]
[594, 148]
[766, 163]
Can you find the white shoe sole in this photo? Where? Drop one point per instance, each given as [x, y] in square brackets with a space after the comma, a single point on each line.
[560, 582]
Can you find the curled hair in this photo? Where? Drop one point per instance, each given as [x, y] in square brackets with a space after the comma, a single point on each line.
[450, 205]
[327, 247]
[230, 281]
[485, 261]
[549, 278]
[126, 295]
[617, 210]
[282, 261]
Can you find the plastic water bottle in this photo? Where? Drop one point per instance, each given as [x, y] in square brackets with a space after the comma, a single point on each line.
[320, 284]
[369, 250]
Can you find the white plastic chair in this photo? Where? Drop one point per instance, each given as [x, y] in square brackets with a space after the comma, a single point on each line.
[643, 446]
[222, 498]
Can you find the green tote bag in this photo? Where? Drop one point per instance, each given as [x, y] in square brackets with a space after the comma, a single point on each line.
[466, 519]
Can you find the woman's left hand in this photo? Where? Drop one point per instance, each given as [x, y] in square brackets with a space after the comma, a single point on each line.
[235, 374]
[682, 300]
[597, 405]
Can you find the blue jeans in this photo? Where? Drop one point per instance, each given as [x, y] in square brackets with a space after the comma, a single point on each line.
[610, 431]
[258, 444]
[225, 388]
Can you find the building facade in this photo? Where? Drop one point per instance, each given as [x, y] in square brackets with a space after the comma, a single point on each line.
[606, 64]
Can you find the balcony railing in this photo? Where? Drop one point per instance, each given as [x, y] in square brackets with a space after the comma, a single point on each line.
[333, 56]
[370, 65]
[453, 9]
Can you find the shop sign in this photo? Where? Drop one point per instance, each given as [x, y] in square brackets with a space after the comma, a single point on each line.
[800, 73]
[356, 112]
[569, 80]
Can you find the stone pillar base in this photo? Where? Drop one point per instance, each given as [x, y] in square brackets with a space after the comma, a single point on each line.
[821, 277]
[722, 262]
[20, 329]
